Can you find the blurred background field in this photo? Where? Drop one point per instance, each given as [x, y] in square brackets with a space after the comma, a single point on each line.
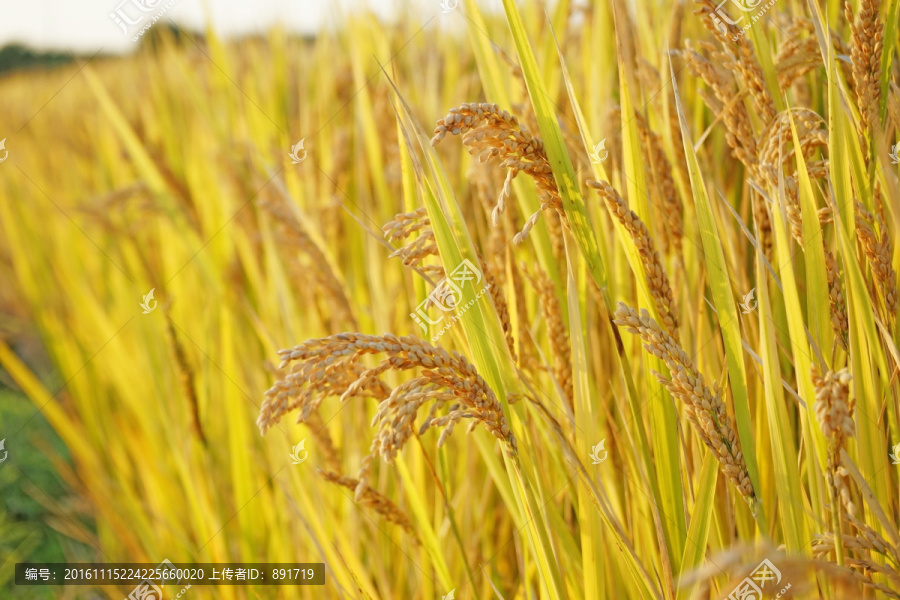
[133, 437]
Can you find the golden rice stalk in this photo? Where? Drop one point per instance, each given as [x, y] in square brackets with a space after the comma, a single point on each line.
[729, 107]
[663, 184]
[657, 280]
[752, 77]
[893, 106]
[834, 411]
[324, 443]
[556, 331]
[374, 500]
[776, 151]
[865, 56]
[186, 379]
[614, 140]
[499, 299]
[879, 251]
[679, 157]
[872, 541]
[704, 409]
[495, 244]
[860, 544]
[557, 244]
[667, 192]
[514, 68]
[527, 358]
[493, 133]
[763, 223]
[863, 545]
[293, 236]
[330, 366]
[839, 322]
[744, 63]
[792, 208]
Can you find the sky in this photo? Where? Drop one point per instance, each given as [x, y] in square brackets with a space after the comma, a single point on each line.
[86, 25]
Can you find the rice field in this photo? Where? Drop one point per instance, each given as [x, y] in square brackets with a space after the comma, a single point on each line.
[566, 301]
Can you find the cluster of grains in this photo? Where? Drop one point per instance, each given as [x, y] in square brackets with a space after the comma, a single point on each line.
[327, 449]
[374, 500]
[657, 280]
[742, 61]
[423, 246]
[736, 60]
[704, 409]
[879, 251]
[799, 51]
[493, 133]
[865, 56]
[292, 236]
[308, 383]
[834, 411]
[777, 146]
[728, 105]
[839, 322]
[662, 183]
[405, 224]
[614, 141]
[776, 157]
[331, 366]
[556, 331]
[725, 102]
[893, 106]
[861, 564]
